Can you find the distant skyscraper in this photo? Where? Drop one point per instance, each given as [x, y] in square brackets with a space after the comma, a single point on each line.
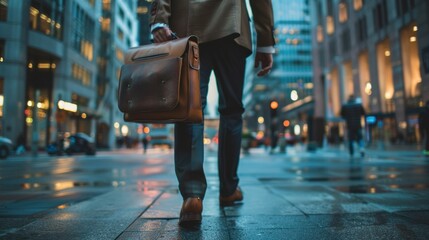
[143, 10]
[290, 82]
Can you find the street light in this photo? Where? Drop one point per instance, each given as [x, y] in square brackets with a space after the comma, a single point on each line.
[286, 123]
[274, 105]
[273, 108]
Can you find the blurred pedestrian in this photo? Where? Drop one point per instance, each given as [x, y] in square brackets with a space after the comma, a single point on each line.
[424, 127]
[225, 42]
[352, 112]
[20, 144]
[145, 142]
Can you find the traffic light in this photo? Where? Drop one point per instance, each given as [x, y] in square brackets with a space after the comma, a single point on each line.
[274, 105]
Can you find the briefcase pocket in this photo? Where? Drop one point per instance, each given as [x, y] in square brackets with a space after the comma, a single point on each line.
[151, 86]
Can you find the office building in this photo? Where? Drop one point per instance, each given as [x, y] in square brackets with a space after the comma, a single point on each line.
[290, 81]
[53, 54]
[377, 51]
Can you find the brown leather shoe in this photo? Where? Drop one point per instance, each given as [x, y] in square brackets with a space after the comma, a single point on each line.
[190, 215]
[235, 197]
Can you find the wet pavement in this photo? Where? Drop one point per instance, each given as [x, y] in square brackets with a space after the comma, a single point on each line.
[299, 195]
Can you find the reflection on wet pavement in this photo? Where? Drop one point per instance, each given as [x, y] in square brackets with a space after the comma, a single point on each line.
[135, 196]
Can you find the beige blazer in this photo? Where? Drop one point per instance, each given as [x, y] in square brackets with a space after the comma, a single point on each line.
[215, 19]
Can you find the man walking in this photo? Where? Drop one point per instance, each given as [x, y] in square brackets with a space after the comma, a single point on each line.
[225, 42]
[352, 112]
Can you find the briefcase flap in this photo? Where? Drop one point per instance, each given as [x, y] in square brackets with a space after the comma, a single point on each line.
[169, 49]
[151, 86]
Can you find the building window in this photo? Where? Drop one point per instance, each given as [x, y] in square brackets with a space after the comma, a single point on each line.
[79, 100]
[346, 40]
[342, 12]
[330, 26]
[83, 33]
[365, 79]
[334, 93]
[119, 55]
[142, 10]
[411, 65]
[403, 6]
[358, 4]
[319, 33]
[91, 2]
[120, 35]
[2, 59]
[106, 5]
[380, 15]
[47, 17]
[121, 13]
[3, 10]
[105, 24]
[348, 79]
[361, 29]
[385, 76]
[81, 74]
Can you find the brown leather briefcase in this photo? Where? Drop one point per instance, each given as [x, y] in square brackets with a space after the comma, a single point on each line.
[160, 83]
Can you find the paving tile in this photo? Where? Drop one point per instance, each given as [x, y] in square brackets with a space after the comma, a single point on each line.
[44, 236]
[152, 235]
[194, 235]
[388, 232]
[13, 223]
[207, 224]
[396, 201]
[270, 222]
[168, 205]
[145, 225]
[299, 234]
[358, 219]
[419, 216]
[260, 201]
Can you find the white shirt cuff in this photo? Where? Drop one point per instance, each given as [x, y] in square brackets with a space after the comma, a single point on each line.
[157, 25]
[269, 49]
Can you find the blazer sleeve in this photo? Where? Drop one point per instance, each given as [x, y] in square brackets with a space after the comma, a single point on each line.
[264, 22]
[160, 12]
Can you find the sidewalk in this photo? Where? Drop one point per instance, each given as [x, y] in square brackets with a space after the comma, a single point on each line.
[300, 195]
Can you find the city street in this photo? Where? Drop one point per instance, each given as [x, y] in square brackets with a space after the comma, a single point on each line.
[124, 194]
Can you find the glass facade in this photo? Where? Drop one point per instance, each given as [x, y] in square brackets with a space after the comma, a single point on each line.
[81, 74]
[83, 32]
[143, 16]
[293, 47]
[47, 17]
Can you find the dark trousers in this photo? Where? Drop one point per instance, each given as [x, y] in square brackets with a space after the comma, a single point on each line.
[427, 139]
[227, 59]
[354, 134]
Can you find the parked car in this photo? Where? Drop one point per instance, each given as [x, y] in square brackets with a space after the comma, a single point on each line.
[80, 143]
[6, 147]
[77, 143]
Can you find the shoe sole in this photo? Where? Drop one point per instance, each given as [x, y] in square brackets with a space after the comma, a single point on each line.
[230, 203]
[190, 220]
